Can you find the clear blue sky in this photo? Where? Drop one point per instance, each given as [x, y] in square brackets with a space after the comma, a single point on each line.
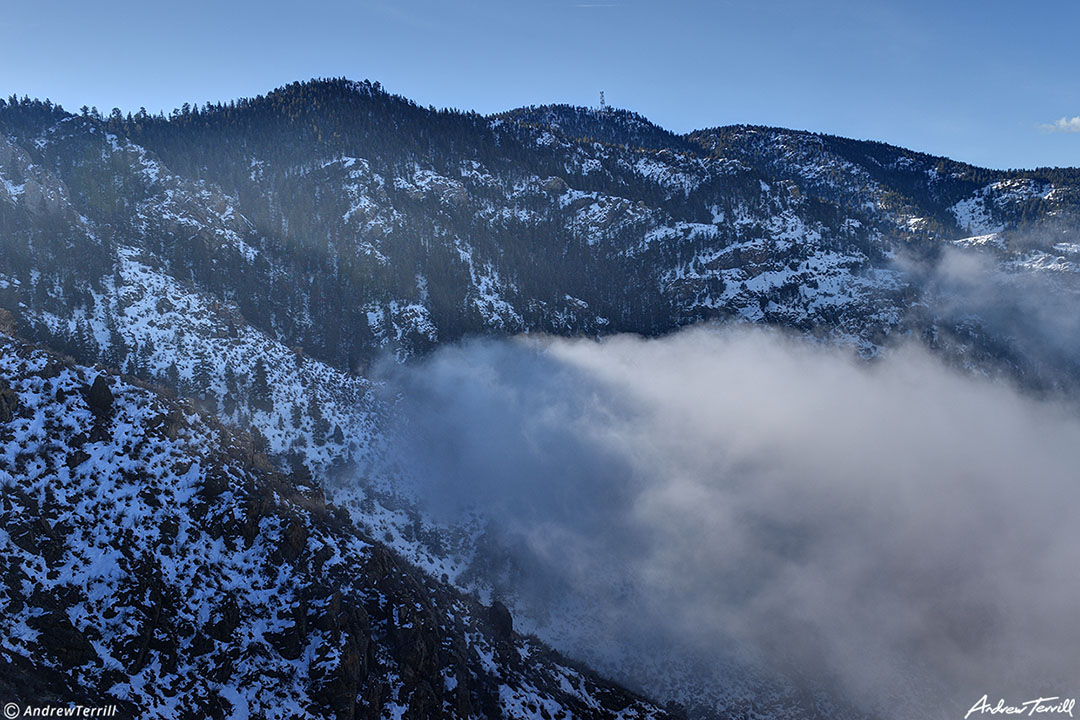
[979, 81]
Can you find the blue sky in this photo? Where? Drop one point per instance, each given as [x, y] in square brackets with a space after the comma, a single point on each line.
[993, 83]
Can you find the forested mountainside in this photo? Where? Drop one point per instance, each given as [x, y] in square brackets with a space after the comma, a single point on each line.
[256, 258]
[342, 220]
[155, 560]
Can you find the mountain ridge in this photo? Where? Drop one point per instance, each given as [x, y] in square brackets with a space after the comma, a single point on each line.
[529, 113]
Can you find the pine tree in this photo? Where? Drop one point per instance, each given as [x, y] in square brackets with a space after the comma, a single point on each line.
[202, 377]
[320, 426]
[261, 397]
[172, 375]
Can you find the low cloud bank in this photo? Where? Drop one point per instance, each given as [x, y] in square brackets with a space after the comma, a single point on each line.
[717, 499]
[1024, 325]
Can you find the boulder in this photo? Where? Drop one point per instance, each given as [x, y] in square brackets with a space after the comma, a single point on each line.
[502, 622]
[9, 402]
[100, 398]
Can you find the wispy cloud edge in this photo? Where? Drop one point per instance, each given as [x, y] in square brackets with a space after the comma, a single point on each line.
[1064, 125]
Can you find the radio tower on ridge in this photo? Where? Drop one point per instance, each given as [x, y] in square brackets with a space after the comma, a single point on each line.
[603, 103]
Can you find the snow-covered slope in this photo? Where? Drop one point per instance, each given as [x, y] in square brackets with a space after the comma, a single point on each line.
[154, 560]
[261, 258]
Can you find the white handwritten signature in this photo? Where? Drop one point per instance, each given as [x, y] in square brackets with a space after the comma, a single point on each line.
[1057, 705]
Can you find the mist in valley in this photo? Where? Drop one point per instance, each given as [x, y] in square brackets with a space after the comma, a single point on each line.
[733, 504]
